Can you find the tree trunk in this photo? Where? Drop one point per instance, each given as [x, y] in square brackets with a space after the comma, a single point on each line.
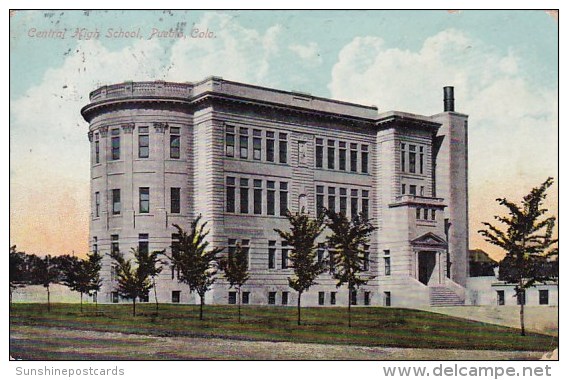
[299, 307]
[201, 303]
[239, 302]
[134, 306]
[48, 301]
[349, 307]
[522, 319]
[81, 302]
[10, 296]
[155, 294]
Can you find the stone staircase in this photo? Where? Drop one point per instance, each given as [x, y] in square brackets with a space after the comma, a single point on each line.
[444, 296]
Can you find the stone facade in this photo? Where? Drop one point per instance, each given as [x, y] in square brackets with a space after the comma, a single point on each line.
[240, 155]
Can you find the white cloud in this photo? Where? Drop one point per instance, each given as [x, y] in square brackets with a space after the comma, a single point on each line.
[236, 53]
[309, 53]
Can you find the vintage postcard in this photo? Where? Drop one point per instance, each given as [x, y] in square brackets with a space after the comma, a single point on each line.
[283, 185]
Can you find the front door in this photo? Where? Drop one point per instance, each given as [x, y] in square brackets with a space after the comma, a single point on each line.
[426, 265]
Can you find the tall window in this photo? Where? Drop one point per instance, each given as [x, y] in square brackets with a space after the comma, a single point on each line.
[175, 142]
[175, 250]
[246, 298]
[97, 204]
[367, 298]
[244, 195]
[331, 199]
[500, 297]
[143, 246]
[332, 298]
[354, 203]
[364, 158]
[284, 256]
[230, 194]
[387, 266]
[331, 154]
[319, 200]
[176, 295]
[230, 141]
[245, 246]
[232, 298]
[353, 297]
[271, 254]
[270, 198]
[97, 149]
[365, 203]
[343, 201]
[353, 158]
[283, 151]
[115, 144]
[412, 158]
[270, 146]
[283, 198]
[175, 200]
[387, 298]
[144, 200]
[387, 261]
[257, 205]
[285, 298]
[421, 166]
[231, 247]
[114, 248]
[243, 142]
[271, 298]
[342, 155]
[402, 157]
[403, 189]
[143, 142]
[321, 298]
[115, 201]
[95, 245]
[433, 215]
[319, 153]
[256, 144]
[543, 297]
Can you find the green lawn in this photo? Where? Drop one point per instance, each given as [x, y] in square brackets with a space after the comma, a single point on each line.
[372, 326]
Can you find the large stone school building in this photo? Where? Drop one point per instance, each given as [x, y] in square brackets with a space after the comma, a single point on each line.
[241, 155]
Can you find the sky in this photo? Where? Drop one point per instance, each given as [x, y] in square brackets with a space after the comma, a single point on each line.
[503, 65]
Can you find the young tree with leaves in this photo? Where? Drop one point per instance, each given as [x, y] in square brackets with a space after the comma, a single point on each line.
[45, 273]
[152, 265]
[235, 268]
[133, 282]
[302, 237]
[527, 240]
[18, 270]
[348, 241]
[74, 275]
[93, 273]
[197, 263]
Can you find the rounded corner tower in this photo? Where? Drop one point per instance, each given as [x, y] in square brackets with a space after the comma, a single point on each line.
[139, 134]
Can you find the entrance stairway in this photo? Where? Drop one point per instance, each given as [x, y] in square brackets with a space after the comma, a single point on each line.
[444, 296]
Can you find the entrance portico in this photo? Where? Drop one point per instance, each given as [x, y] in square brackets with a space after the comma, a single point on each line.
[429, 259]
